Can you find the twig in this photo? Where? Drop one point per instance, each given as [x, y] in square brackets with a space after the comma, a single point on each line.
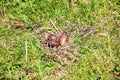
[110, 50]
[26, 50]
[54, 26]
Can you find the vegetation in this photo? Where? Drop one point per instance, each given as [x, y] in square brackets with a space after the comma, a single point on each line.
[20, 47]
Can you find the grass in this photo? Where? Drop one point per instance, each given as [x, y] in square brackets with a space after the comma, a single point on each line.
[99, 57]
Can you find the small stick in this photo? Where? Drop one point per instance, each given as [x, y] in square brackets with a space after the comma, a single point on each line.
[26, 50]
[54, 26]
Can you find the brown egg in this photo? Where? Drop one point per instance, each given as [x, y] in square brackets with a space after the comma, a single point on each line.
[53, 41]
[64, 39]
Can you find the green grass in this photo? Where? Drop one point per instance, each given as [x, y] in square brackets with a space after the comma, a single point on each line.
[99, 55]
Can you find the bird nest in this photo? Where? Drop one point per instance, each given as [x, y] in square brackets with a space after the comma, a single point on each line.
[56, 44]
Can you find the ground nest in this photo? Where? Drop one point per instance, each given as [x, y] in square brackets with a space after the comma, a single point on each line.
[57, 48]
